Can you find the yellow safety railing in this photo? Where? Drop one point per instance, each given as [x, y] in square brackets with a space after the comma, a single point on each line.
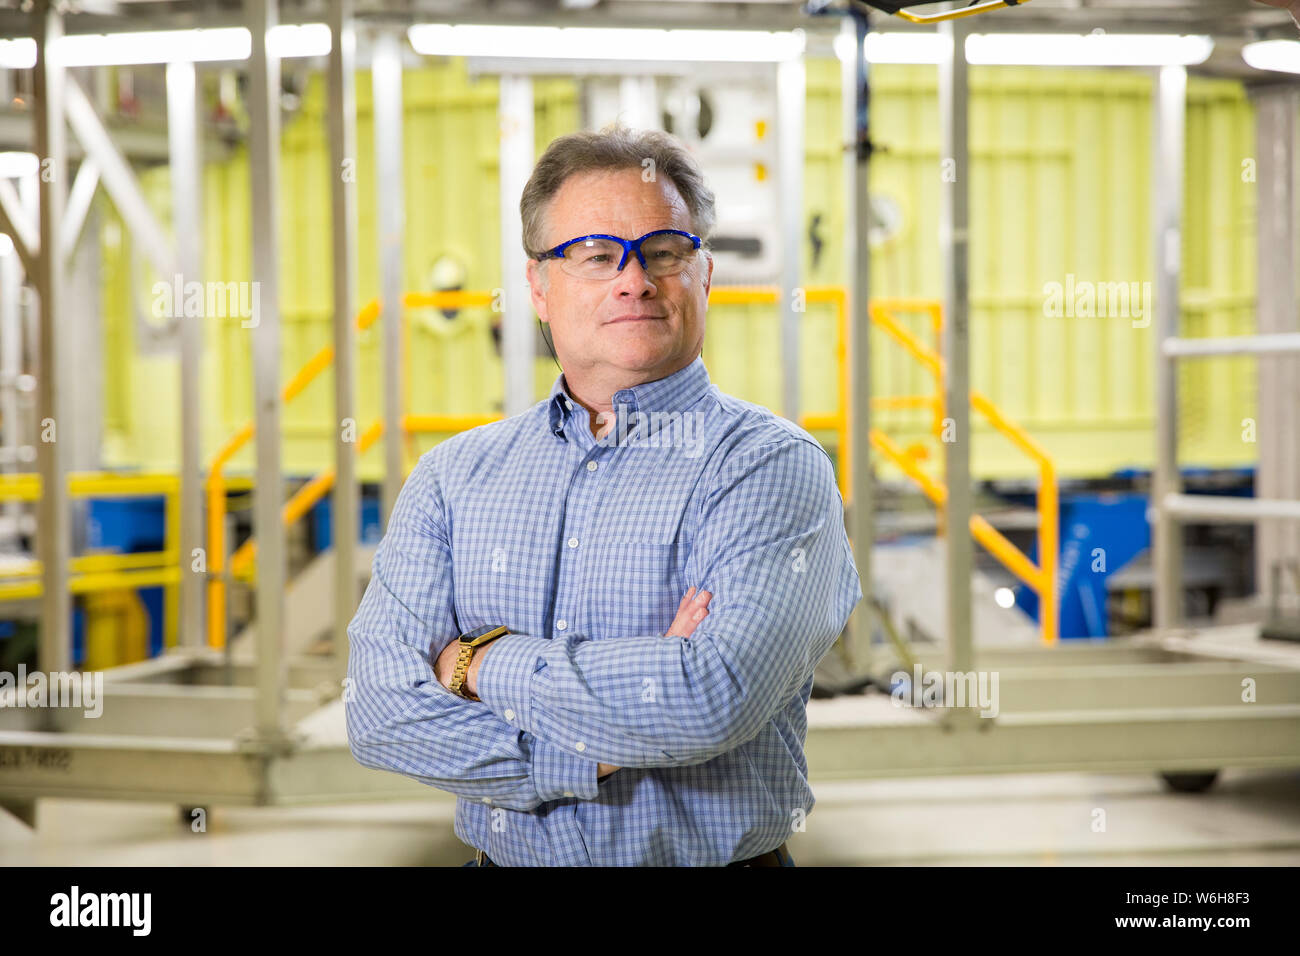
[89, 573]
[1040, 577]
[241, 561]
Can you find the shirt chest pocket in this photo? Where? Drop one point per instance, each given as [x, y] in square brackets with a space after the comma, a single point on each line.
[632, 587]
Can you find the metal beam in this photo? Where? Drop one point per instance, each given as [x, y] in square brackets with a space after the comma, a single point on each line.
[13, 222]
[83, 193]
[1281, 343]
[791, 87]
[1166, 223]
[954, 174]
[1277, 139]
[855, 101]
[120, 181]
[1089, 741]
[343, 205]
[54, 438]
[182, 129]
[264, 160]
[515, 107]
[386, 80]
[1228, 509]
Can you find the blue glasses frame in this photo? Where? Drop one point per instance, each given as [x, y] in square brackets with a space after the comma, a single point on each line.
[629, 245]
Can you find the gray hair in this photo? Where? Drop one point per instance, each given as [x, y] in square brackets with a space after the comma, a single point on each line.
[614, 147]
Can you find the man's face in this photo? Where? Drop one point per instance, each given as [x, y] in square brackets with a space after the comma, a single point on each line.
[632, 328]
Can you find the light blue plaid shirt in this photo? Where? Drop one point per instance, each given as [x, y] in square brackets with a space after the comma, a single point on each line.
[583, 548]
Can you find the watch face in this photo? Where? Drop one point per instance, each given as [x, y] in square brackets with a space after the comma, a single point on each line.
[479, 633]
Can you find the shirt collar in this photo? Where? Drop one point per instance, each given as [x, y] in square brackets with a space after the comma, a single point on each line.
[675, 393]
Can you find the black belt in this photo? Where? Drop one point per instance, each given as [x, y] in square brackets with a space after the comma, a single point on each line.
[778, 857]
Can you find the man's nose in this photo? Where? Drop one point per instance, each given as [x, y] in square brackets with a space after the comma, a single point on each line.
[634, 280]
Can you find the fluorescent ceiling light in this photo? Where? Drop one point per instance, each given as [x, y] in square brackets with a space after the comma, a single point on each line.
[1280, 55]
[1094, 49]
[18, 54]
[1040, 49]
[17, 165]
[907, 47]
[599, 43]
[169, 46]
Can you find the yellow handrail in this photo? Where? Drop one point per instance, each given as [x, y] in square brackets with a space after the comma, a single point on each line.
[106, 572]
[1040, 577]
[241, 562]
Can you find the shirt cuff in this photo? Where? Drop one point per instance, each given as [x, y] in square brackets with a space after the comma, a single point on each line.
[505, 677]
[557, 774]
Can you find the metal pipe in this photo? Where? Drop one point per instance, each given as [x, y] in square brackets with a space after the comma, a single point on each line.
[1227, 509]
[1166, 220]
[53, 445]
[264, 159]
[955, 170]
[1280, 343]
[855, 456]
[343, 204]
[119, 180]
[515, 107]
[386, 80]
[183, 145]
[790, 95]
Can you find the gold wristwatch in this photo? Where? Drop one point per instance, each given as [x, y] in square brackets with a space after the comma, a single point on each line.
[468, 642]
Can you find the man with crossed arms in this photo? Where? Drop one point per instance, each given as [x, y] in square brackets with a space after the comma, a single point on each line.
[666, 564]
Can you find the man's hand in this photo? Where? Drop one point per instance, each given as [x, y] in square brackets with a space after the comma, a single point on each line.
[689, 613]
[692, 609]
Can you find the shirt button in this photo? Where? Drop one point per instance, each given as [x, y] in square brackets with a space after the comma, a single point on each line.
[591, 466]
[568, 404]
[580, 746]
[573, 542]
[510, 714]
[487, 799]
[568, 793]
[561, 624]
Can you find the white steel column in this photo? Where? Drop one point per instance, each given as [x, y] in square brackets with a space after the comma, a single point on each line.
[268, 526]
[1277, 144]
[53, 437]
[182, 135]
[855, 105]
[343, 197]
[386, 80]
[954, 173]
[1166, 222]
[790, 94]
[517, 337]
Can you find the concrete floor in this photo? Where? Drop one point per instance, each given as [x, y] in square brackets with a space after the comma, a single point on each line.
[1249, 818]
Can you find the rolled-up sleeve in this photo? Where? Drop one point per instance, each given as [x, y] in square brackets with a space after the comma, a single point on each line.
[770, 547]
[399, 717]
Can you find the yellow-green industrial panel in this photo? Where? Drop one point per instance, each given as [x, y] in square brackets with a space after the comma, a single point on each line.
[1060, 192]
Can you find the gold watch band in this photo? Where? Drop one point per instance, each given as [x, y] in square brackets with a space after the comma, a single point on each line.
[468, 645]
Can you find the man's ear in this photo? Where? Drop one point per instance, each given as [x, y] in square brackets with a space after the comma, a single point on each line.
[708, 276]
[537, 288]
